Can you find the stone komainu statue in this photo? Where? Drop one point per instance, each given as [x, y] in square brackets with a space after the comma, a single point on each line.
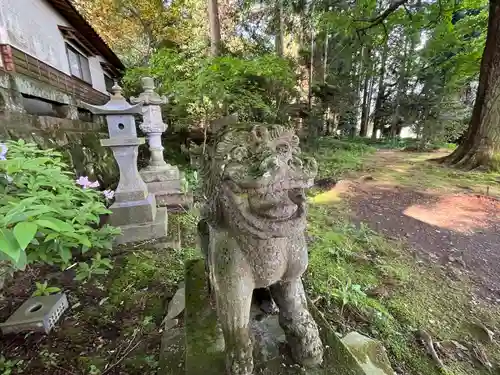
[253, 234]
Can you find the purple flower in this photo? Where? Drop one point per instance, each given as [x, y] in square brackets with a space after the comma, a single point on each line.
[3, 151]
[85, 183]
[108, 194]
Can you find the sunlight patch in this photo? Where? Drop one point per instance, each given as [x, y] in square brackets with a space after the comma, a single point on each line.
[330, 196]
[460, 213]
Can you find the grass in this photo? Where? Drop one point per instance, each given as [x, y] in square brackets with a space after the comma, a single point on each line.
[365, 282]
[338, 157]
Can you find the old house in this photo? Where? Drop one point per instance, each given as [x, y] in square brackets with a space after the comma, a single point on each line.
[51, 59]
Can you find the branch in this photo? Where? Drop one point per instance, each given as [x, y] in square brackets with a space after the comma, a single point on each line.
[382, 16]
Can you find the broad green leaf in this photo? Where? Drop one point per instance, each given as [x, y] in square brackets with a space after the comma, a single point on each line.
[24, 233]
[82, 239]
[22, 261]
[65, 254]
[9, 244]
[48, 224]
[55, 224]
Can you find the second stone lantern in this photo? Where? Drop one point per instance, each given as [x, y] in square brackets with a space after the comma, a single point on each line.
[162, 179]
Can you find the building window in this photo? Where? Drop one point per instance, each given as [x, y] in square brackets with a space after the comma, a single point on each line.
[109, 82]
[78, 64]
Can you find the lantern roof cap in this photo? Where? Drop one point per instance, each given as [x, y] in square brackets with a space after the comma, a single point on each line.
[117, 105]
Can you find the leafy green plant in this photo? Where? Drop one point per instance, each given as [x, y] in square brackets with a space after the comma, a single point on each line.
[44, 216]
[349, 294]
[8, 365]
[98, 266]
[43, 289]
[94, 370]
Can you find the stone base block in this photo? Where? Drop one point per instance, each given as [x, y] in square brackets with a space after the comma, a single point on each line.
[167, 173]
[174, 202]
[170, 186]
[133, 212]
[203, 343]
[145, 231]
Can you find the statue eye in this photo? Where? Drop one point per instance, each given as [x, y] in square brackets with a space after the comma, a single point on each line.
[282, 148]
[239, 153]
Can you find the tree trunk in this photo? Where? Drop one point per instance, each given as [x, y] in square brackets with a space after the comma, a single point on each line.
[280, 33]
[400, 91]
[481, 145]
[380, 94]
[365, 107]
[213, 17]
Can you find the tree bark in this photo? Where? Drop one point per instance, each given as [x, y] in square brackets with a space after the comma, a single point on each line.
[380, 94]
[481, 145]
[280, 33]
[365, 109]
[399, 91]
[215, 38]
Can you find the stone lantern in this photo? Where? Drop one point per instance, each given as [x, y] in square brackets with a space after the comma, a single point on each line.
[162, 179]
[134, 209]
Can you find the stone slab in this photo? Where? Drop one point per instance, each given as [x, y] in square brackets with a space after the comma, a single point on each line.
[204, 342]
[133, 212]
[145, 231]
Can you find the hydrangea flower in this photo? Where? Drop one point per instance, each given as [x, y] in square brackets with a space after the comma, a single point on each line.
[108, 194]
[85, 183]
[3, 151]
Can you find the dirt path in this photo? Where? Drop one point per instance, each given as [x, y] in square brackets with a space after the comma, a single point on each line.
[447, 223]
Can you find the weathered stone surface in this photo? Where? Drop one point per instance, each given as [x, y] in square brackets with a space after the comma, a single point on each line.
[177, 304]
[37, 314]
[203, 344]
[370, 354]
[145, 231]
[133, 212]
[253, 234]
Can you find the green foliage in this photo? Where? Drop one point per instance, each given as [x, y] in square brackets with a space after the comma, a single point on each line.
[43, 289]
[204, 88]
[44, 216]
[98, 266]
[337, 156]
[348, 293]
[7, 366]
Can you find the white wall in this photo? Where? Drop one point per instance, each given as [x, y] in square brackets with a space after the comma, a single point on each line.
[97, 73]
[32, 27]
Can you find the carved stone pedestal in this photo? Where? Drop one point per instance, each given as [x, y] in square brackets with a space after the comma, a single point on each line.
[166, 184]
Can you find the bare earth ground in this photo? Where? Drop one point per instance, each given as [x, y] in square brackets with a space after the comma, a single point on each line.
[443, 223]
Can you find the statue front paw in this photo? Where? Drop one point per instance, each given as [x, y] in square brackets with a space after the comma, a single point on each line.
[308, 352]
[307, 349]
[240, 362]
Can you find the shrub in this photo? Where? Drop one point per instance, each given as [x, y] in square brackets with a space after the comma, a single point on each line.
[44, 216]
